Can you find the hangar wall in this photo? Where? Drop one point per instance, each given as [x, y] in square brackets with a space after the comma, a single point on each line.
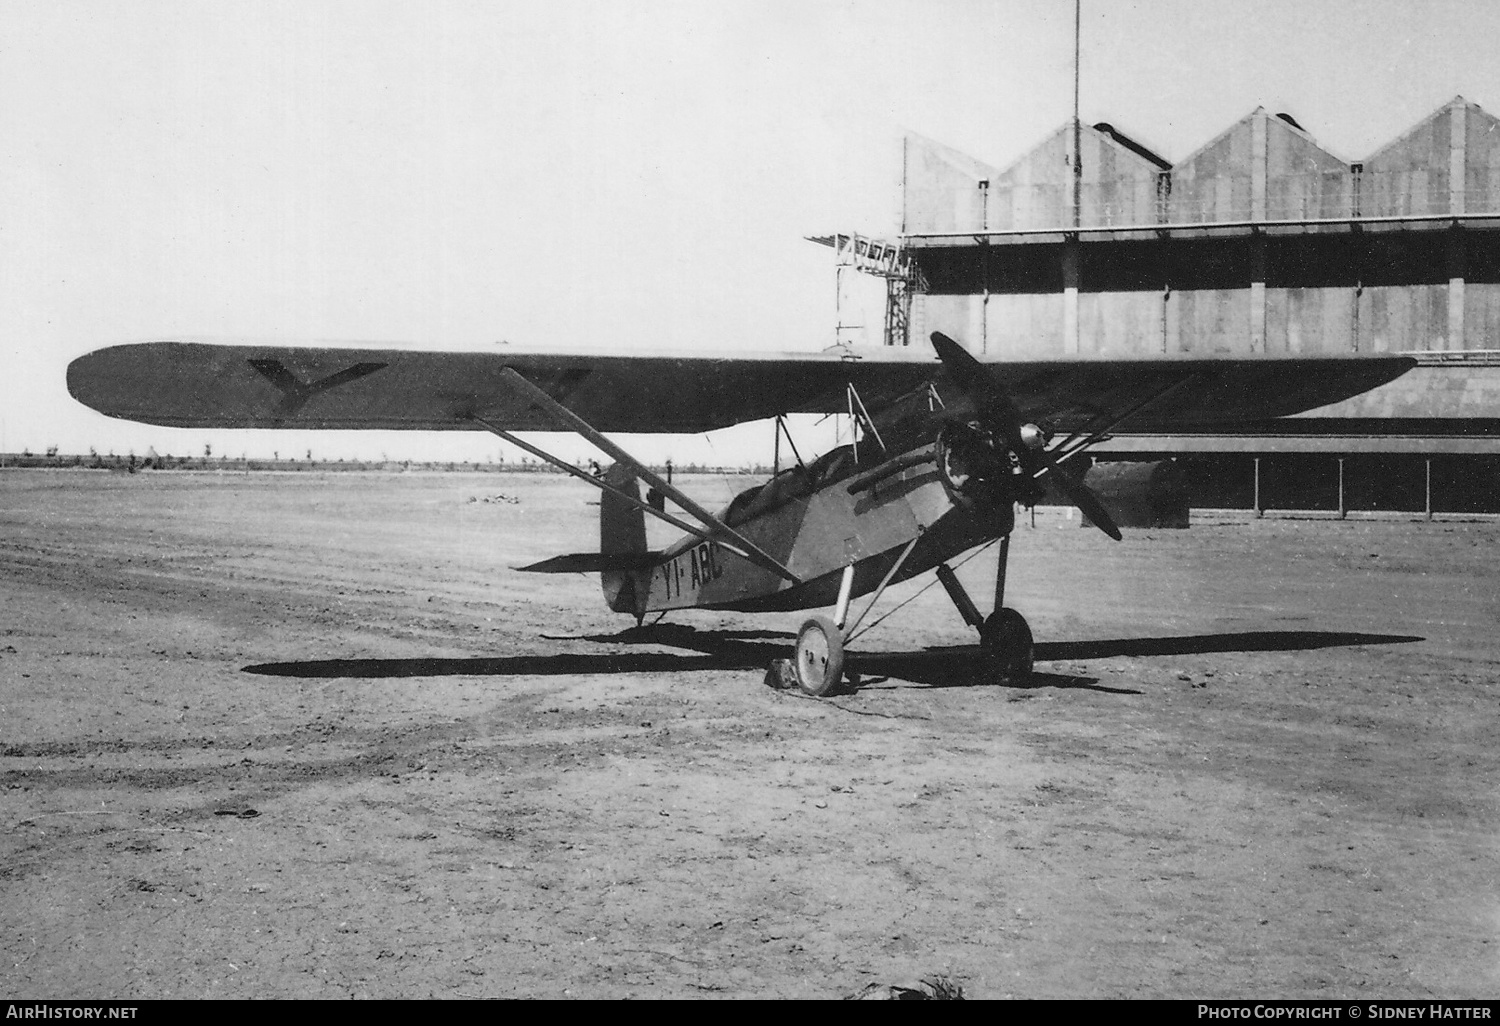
[1261, 241]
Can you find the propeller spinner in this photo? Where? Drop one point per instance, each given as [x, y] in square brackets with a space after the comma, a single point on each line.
[1000, 418]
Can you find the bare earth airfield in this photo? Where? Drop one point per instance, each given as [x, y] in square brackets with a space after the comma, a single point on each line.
[309, 735]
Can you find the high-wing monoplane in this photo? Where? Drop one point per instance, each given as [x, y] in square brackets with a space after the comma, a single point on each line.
[943, 453]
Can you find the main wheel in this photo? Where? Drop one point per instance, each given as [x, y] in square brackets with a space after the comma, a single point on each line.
[819, 657]
[1006, 649]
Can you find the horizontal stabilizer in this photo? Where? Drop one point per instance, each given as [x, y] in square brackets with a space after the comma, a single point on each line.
[594, 563]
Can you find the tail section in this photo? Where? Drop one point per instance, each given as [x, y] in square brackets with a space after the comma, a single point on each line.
[622, 533]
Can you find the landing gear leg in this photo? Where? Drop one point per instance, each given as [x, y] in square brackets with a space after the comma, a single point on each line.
[1005, 642]
[1006, 649]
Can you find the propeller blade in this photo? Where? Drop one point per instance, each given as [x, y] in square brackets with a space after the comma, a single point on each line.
[993, 404]
[1085, 498]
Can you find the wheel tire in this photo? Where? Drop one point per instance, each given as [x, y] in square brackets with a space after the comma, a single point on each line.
[819, 657]
[1007, 650]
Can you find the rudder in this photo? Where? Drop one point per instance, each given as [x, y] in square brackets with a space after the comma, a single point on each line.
[622, 530]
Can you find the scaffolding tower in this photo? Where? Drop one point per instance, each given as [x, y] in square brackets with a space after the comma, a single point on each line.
[880, 258]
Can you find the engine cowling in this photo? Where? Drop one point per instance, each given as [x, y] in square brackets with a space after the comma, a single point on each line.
[978, 472]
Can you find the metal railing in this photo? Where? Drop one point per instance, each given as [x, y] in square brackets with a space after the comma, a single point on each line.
[1139, 203]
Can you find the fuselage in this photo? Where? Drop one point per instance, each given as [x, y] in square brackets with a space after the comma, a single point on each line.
[817, 520]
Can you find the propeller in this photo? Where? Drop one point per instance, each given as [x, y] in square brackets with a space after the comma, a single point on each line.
[1085, 498]
[1001, 418]
[998, 412]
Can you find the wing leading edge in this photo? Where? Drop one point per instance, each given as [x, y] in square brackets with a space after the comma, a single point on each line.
[199, 385]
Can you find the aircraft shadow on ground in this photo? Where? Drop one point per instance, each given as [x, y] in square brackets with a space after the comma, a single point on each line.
[942, 666]
[1203, 644]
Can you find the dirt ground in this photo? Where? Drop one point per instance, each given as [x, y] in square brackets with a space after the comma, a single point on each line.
[283, 735]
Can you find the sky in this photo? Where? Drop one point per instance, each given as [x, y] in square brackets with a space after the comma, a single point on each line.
[552, 174]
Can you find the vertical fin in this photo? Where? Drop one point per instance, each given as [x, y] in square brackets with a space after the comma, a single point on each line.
[622, 529]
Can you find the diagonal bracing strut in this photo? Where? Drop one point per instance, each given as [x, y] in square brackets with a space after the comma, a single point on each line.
[623, 496]
[718, 530]
[1089, 435]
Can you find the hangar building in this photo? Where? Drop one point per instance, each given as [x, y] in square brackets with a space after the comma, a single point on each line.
[1259, 242]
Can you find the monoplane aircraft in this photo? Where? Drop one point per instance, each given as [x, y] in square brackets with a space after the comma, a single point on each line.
[944, 450]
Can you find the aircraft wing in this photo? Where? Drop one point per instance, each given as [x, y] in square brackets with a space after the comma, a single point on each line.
[201, 385]
[188, 384]
[1194, 392]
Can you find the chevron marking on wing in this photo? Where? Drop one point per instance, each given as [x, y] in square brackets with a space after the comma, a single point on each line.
[296, 393]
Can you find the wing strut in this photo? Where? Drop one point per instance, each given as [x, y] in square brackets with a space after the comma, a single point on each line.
[1090, 435]
[718, 530]
[623, 496]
